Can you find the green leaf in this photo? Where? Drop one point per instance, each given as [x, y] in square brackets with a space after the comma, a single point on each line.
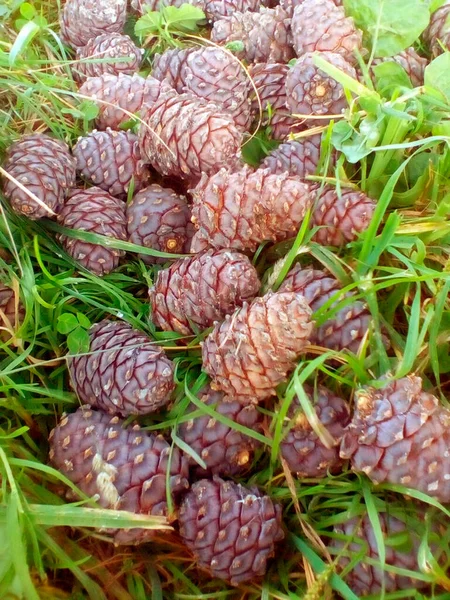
[389, 26]
[390, 76]
[27, 11]
[23, 40]
[78, 341]
[89, 110]
[83, 320]
[353, 144]
[67, 322]
[185, 18]
[148, 24]
[235, 47]
[437, 74]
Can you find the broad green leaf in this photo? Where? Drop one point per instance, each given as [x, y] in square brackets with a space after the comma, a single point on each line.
[148, 24]
[78, 341]
[183, 18]
[67, 322]
[83, 320]
[27, 11]
[390, 76]
[23, 40]
[437, 74]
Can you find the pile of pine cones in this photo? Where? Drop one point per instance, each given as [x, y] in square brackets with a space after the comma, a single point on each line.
[195, 111]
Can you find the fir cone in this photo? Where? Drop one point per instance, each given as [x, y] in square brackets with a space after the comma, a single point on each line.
[313, 93]
[242, 209]
[289, 5]
[82, 20]
[298, 158]
[45, 167]
[412, 63]
[105, 54]
[266, 35]
[341, 218]
[12, 311]
[224, 450]
[270, 82]
[184, 136]
[216, 9]
[302, 449]
[115, 94]
[159, 218]
[168, 67]
[125, 374]
[230, 529]
[112, 161]
[217, 76]
[348, 327]
[437, 34]
[193, 293]
[321, 26]
[96, 211]
[400, 434]
[255, 349]
[143, 6]
[124, 468]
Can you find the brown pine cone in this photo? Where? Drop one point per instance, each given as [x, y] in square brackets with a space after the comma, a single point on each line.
[100, 56]
[401, 435]
[289, 5]
[159, 218]
[112, 161]
[301, 448]
[96, 211]
[298, 158]
[265, 34]
[437, 34]
[242, 209]
[313, 93]
[116, 93]
[230, 529]
[82, 20]
[193, 293]
[184, 136]
[216, 9]
[124, 468]
[412, 63]
[341, 218]
[321, 26]
[168, 67]
[270, 82]
[125, 374]
[45, 167]
[12, 311]
[255, 349]
[224, 450]
[143, 6]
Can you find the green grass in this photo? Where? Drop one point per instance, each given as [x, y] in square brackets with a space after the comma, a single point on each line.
[401, 266]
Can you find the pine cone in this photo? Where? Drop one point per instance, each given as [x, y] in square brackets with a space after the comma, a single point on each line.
[184, 136]
[437, 34]
[96, 211]
[349, 326]
[224, 450]
[400, 434]
[302, 449]
[313, 93]
[321, 26]
[217, 76]
[270, 82]
[216, 9]
[366, 578]
[230, 529]
[240, 210]
[159, 218]
[266, 35]
[341, 218]
[126, 374]
[168, 67]
[412, 63]
[196, 292]
[82, 20]
[45, 167]
[255, 349]
[289, 5]
[125, 468]
[297, 158]
[112, 160]
[116, 93]
[12, 311]
[143, 6]
[100, 54]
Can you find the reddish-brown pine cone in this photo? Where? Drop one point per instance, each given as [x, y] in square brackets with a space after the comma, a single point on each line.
[124, 374]
[298, 158]
[112, 160]
[289, 5]
[242, 209]
[44, 166]
[82, 20]
[437, 34]
[224, 450]
[266, 35]
[321, 26]
[302, 448]
[255, 349]
[115, 94]
[107, 53]
[12, 311]
[231, 529]
[168, 66]
[270, 82]
[366, 578]
[96, 211]
[412, 63]
[143, 6]
[159, 218]
[348, 328]
[341, 218]
[216, 9]
[123, 468]
[193, 293]
[184, 136]
[311, 93]
[217, 76]
[401, 435]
